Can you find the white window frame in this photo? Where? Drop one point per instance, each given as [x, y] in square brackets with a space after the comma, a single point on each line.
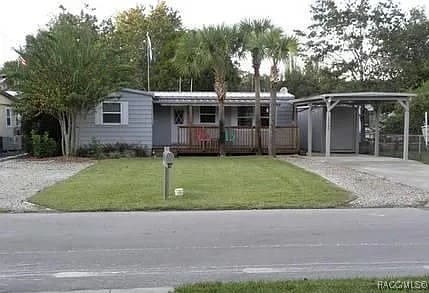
[9, 116]
[215, 115]
[102, 113]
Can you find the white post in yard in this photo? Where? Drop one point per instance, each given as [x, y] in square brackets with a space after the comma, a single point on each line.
[406, 128]
[377, 131]
[309, 131]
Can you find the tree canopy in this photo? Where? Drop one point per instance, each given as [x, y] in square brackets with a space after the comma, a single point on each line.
[69, 68]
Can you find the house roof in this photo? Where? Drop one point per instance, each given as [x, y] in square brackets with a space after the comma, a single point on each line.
[210, 98]
[10, 95]
[355, 98]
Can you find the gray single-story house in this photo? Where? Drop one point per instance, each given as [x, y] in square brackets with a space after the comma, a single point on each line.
[186, 121]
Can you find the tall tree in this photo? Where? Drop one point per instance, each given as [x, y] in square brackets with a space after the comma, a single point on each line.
[164, 26]
[403, 49]
[279, 48]
[69, 69]
[254, 36]
[344, 38]
[210, 48]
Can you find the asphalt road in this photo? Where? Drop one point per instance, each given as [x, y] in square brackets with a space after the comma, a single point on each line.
[48, 252]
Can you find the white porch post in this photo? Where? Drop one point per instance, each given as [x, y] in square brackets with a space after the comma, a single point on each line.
[309, 131]
[329, 108]
[406, 105]
[377, 131]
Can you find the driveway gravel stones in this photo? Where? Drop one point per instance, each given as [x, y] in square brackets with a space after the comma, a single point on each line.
[20, 179]
[370, 190]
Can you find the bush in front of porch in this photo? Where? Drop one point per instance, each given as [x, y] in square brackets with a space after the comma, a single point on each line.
[210, 183]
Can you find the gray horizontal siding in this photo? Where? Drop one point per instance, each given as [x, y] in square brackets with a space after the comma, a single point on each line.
[162, 126]
[137, 132]
[284, 114]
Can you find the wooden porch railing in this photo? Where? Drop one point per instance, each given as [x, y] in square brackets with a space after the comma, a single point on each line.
[205, 139]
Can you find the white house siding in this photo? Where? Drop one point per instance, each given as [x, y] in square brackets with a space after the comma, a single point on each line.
[10, 136]
[4, 104]
[137, 131]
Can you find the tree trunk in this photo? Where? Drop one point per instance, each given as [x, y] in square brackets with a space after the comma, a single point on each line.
[274, 79]
[220, 89]
[272, 129]
[67, 122]
[257, 78]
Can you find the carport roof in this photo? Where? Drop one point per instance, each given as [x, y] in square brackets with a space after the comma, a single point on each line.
[355, 98]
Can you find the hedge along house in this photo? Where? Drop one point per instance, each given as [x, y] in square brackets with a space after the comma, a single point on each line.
[333, 122]
[187, 121]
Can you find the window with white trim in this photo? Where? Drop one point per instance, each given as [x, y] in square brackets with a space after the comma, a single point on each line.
[245, 116]
[8, 117]
[111, 112]
[207, 114]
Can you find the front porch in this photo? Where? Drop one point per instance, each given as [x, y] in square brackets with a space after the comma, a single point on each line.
[238, 140]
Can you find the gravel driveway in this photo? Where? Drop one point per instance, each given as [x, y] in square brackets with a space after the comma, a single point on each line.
[369, 189]
[20, 179]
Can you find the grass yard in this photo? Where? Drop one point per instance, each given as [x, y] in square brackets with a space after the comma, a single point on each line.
[311, 286]
[209, 183]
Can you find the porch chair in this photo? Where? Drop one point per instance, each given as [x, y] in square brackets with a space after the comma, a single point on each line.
[203, 137]
[229, 136]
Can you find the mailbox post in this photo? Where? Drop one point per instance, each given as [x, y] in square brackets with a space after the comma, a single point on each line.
[167, 161]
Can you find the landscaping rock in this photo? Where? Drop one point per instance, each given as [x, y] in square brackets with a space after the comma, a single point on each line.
[369, 190]
[22, 178]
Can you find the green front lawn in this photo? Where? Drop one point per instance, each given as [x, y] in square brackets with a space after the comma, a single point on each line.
[313, 286]
[209, 183]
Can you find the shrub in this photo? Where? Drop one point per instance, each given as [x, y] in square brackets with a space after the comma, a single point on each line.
[117, 150]
[95, 149]
[42, 146]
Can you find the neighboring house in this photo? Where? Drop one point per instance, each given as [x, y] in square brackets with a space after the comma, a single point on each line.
[186, 121]
[10, 124]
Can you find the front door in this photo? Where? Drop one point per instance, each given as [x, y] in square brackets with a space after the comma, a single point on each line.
[178, 118]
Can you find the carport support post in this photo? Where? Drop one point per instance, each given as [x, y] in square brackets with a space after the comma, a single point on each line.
[406, 129]
[406, 105]
[377, 131]
[329, 108]
[309, 130]
[357, 134]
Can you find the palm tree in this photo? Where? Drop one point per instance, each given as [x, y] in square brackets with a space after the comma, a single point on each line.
[185, 60]
[254, 37]
[278, 49]
[210, 48]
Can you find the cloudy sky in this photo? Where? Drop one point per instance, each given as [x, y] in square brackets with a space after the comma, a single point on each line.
[22, 17]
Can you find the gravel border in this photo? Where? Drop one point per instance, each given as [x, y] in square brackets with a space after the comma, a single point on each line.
[22, 178]
[369, 190]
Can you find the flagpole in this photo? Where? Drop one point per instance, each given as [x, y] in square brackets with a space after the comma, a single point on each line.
[149, 58]
[148, 72]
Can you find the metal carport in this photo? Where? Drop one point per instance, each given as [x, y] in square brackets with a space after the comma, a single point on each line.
[359, 99]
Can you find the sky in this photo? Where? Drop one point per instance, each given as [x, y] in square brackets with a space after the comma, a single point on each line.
[22, 17]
